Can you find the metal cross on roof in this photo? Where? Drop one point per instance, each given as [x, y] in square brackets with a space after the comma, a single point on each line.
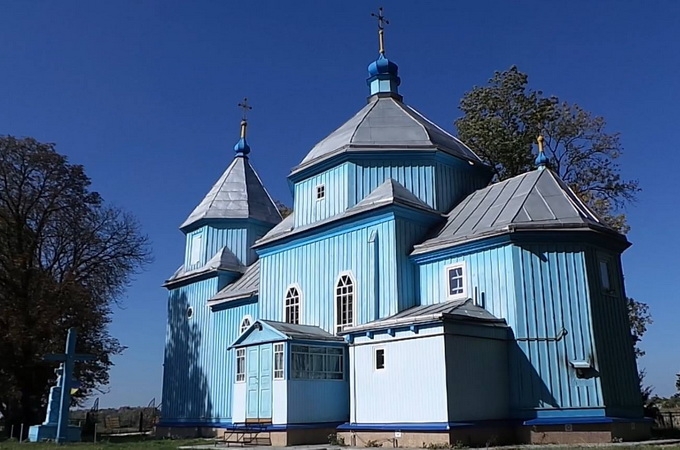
[245, 107]
[382, 21]
[68, 360]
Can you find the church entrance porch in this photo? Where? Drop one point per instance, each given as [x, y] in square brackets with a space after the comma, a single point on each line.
[291, 383]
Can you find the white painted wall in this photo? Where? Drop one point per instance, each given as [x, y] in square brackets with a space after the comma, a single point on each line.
[238, 404]
[279, 402]
[411, 387]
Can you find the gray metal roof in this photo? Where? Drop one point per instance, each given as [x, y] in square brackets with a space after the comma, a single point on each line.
[224, 259]
[246, 286]
[386, 123]
[302, 332]
[390, 192]
[458, 309]
[534, 200]
[238, 194]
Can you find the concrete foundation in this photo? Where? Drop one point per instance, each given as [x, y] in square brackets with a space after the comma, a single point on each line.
[465, 436]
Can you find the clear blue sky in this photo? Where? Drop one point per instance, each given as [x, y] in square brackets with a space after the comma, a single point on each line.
[144, 93]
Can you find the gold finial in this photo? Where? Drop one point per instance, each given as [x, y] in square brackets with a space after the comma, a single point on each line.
[540, 140]
[244, 119]
[382, 21]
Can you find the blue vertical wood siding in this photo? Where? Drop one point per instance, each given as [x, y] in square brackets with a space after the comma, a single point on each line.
[238, 235]
[452, 183]
[538, 289]
[310, 210]
[613, 340]
[198, 369]
[416, 176]
[348, 251]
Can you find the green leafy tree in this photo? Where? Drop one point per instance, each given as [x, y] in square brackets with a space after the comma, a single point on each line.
[284, 210]
[65, 259]
[502, 120]
[640, 318]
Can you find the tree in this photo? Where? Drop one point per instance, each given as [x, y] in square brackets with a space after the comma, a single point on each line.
[640, 318]
[284, 210]
[65, 259]
[502, 120]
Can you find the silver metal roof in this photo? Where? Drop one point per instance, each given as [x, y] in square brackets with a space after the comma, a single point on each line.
[224, 259]
[302, 332]
[390, 192]
[246, 286]
[459, 309]
[534, 200]
[386, 123]
[238, 194]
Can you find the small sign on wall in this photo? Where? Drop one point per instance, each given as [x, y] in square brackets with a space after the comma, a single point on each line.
[397, 434]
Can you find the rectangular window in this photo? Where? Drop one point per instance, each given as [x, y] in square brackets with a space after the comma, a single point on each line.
[604, 275]
[278, 361]
[316, 363]
[240, 364]
[196, 248]
[379, 358]
[455, 277]
[320, 192]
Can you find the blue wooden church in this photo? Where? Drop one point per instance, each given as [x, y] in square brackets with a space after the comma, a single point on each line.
[406, 300]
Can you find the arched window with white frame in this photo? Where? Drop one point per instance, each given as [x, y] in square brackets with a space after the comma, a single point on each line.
[245, 324]
[292, 305]
[344, 302]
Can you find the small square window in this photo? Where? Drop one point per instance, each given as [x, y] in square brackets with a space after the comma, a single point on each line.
[379, 358]
[455, 280]
[320, 192]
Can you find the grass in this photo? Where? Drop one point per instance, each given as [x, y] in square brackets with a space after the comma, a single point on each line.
[110, 443]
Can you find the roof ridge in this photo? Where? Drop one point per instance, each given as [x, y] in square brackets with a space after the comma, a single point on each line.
[526, 197]
[264, 188]
[368, 111]
[441, 130]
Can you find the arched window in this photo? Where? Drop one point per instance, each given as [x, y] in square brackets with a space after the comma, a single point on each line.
[245, 323]
[292, 302]
[344, 303]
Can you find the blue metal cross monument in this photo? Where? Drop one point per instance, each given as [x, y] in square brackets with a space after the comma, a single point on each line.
[56, 423]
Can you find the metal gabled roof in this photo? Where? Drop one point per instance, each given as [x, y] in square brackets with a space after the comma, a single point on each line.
[534, 200]
[237, 194]
[248, 285]
[386, 123]
[302, 332]
[224, 260]
[457, 309]
[390, 192]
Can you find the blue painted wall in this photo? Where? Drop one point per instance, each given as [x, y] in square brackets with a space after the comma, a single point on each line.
[538, 289]
[613, 341]
[438, 180]
[198, 369]
[342, 249]
[314, 401]
[310, 210]
[237, 235]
